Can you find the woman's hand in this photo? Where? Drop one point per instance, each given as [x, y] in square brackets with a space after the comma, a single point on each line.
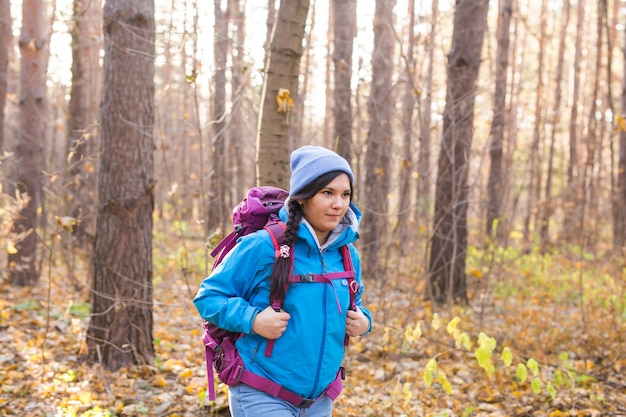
[357, 323]
[271, 324]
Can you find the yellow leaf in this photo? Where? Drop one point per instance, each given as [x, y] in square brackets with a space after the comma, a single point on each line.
[85, 397]
[443, 380]
[477, 273]
[283, 100]
[11, 249]
[436, 323]
[160, 381]
[451, 328]
[407, 394]
[430, 371]
[186, 373]
[67, 222]
[386, 335]
[507, 356]
[412, 335]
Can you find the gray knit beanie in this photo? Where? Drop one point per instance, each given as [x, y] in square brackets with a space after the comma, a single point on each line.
[310, 162]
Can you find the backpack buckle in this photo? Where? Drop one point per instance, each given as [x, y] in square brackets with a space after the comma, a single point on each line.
[307, 277]
[306, 403]
[239, 373]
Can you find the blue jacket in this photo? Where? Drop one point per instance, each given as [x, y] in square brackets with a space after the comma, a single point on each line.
[307, 357]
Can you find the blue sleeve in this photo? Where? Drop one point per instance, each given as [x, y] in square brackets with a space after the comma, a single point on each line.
[356, 263]
[224, 296]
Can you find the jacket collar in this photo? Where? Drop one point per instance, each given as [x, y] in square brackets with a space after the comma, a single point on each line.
[346, 232]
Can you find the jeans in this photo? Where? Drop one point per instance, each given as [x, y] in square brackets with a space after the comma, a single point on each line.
[245, 401]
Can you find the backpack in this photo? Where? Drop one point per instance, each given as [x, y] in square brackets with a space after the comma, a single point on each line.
[259, 210]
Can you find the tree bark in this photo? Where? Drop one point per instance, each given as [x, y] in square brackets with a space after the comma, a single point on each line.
[592, 139]
[329, 105]
[240, 80]
[619, 200]
[120, 330]
[447, 280]
[30, 149]
[572, 198]
[378, 142]
[402, 229]
[534, 176]
[5, 44]
[82, 135]
[297, 116]
[344, 29]
[281, 84]
[217, 212]
[548, 205]
[495, 182]
[423, 197]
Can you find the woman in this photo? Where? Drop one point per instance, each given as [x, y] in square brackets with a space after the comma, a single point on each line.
[309, 329]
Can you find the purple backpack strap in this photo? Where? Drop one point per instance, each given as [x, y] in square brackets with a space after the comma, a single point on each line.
[263, 384]
[209, 347]
[276, 230]
[224, 247]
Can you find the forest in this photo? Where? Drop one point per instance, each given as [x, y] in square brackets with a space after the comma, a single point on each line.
[488, 143]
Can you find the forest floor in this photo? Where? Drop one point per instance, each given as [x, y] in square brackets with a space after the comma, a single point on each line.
[547, 340]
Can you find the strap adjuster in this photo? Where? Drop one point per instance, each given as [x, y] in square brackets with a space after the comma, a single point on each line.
[306, 403]
[307, 277]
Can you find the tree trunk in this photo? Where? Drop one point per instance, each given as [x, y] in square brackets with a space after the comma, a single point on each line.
[378, 142]
[423, 197]
[619, 201]
[5, 44]
[495, 183]
[240, 79]
[282, 70]
[296, 131]
[572, 199]
[588, 190]
[329, 109]
[402, 229]
[447, 280]
[83, 116]
[30, 149]
[534, 176]
[270, 22]
[548, 205]
[217, 212]
[344, 29]
[120, 331]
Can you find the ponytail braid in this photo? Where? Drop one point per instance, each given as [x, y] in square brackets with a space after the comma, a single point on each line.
[283, 266]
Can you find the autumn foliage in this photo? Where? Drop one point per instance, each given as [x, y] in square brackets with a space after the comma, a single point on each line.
[542, 336]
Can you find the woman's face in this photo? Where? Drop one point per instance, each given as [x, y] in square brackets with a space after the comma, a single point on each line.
[325, 209]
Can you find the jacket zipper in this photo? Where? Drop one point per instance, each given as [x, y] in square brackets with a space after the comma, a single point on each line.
[324, 328]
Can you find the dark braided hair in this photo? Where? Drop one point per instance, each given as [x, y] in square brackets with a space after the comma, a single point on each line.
[282, 266]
